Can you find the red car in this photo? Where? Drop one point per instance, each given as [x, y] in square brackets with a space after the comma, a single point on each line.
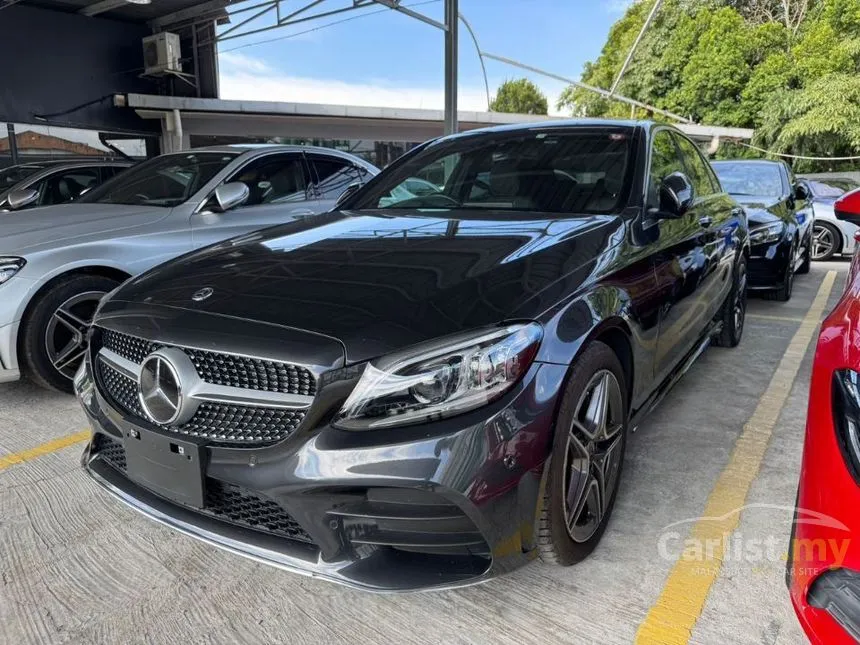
[823, 571]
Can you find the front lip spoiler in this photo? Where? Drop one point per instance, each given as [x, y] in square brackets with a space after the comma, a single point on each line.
[281, 553]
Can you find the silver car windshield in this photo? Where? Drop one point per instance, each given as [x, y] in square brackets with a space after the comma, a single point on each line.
[165, 181]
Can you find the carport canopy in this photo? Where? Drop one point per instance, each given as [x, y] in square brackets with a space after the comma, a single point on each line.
[183, 117]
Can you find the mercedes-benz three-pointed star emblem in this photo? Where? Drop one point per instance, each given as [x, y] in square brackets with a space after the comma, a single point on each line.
[160, 387]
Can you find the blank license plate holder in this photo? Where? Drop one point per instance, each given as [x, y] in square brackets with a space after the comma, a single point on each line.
[168, 466]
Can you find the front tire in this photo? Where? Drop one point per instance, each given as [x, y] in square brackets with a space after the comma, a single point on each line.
[587, 458]
[783, 293]
[733, 312]
[54, 332]
[826, 241]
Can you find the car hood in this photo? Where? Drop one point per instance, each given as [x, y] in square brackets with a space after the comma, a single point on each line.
[763, 209]
[26, 230]
[378, 282]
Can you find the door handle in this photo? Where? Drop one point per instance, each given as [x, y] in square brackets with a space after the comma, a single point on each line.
[705, 222]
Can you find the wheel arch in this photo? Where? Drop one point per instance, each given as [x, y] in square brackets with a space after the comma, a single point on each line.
[102, 270]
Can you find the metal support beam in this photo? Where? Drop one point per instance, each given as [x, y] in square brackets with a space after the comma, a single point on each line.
[452, 23]
[590, 88]
[13, 143]
[480, 57]
[395, 4]
[635, 45]
[100, 7]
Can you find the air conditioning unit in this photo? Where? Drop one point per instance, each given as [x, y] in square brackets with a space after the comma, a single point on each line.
[161, 54]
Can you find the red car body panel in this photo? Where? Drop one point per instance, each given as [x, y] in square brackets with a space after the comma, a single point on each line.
[827, 524]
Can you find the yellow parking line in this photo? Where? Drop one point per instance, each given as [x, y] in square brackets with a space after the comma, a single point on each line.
[672, 617]
[43, 449]
[769, 317]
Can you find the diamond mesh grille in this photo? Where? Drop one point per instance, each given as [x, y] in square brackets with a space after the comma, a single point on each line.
[222, 369]
[230, 424]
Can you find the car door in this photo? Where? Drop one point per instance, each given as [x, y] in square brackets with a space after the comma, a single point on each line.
[803, 212]
[679, 261]
[719, 217]
[332, 175]
[279, 189]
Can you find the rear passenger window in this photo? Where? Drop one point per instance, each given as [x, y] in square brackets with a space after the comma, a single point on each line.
[333, 176]
[697, 168]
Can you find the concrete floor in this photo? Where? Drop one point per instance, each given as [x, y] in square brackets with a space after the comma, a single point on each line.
[76, 566]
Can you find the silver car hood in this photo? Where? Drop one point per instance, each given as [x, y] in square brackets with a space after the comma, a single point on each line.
[54, 226]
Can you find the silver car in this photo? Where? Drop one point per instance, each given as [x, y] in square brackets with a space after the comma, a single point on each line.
[58, 261]
[831, 236]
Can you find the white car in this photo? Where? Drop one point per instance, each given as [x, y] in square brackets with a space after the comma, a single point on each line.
[830, 235]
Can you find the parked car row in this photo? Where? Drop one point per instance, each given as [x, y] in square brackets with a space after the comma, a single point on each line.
[398, 384]
[394, 392]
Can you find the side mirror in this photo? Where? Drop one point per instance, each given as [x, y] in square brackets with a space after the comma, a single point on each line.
[800, 192]
[350, 190]
[676, 196]
[229, 196]
[21, 197]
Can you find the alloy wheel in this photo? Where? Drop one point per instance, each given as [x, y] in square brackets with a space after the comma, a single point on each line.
[593, 455]
[822, 242]
[66, 333]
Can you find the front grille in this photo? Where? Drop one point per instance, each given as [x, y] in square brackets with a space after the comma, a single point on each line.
[227, 424]
[222, 369]
[245, 508]
[109, 449]
[222, 423]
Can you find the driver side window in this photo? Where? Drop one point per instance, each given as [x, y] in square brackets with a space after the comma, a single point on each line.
[274, 178]
[665, 160]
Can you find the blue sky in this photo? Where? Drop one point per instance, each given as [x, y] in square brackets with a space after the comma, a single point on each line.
[389, 59]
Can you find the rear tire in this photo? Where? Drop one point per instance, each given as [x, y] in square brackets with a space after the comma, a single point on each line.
[53, 337]
[587, 458]
[733, 312]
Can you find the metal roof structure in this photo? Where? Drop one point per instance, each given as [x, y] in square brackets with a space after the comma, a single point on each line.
[159, 13]
[182, 117]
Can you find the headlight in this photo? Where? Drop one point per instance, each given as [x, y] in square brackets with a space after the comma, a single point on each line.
[440, 379]
[9, 266]
[767, 234]
[846, 416]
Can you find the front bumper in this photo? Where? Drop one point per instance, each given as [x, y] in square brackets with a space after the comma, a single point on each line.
[768, 264]
[433, 506]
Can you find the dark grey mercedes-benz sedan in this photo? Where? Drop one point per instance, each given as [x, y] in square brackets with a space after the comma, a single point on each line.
[422, 390]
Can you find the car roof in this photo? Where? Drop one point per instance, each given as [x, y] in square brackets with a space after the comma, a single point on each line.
[557, 124]
[763, 162]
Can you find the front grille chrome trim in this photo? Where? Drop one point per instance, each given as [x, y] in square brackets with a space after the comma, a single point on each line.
[199, 390]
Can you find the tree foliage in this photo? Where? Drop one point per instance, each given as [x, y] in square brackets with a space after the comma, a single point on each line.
[788, 68]
[520, 96]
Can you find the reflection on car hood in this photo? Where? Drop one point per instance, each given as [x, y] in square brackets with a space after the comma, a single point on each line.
[59, 225]
[379, 282]
[763, 209]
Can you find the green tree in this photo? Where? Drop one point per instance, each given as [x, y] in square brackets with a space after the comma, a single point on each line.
[790, 69]
[520, 96]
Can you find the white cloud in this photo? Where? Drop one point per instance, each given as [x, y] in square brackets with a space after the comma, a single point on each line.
[249, 78]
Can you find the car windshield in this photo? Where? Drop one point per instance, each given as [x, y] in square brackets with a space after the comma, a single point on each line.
[750, 178]
[167, 180]
[572, 170]
[831, 187]
[12, 175]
